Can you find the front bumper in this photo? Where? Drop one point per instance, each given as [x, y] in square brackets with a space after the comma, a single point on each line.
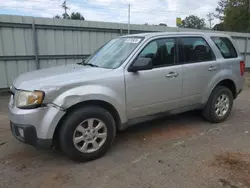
[27, 135]
[38, 124]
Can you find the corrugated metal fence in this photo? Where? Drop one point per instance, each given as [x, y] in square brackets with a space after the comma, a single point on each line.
[28, 43]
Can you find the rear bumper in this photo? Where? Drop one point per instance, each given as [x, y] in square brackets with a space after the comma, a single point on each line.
[27, 134]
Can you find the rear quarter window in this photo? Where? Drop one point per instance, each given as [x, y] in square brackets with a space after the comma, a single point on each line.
[225, 46]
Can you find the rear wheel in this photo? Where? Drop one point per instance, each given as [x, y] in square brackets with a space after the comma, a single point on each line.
[87, 133]
[219, 105]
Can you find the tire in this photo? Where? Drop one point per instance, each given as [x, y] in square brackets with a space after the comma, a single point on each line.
[71, 124]
[209, 112]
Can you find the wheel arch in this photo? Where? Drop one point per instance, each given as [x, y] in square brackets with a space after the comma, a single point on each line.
[226, 82]
[230, 85]
[100, 103]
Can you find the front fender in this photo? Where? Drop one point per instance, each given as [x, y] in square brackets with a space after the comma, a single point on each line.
[220, 76]
[93, 92]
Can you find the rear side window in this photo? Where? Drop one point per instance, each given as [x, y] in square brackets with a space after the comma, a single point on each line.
[225, 46]
[196, 49]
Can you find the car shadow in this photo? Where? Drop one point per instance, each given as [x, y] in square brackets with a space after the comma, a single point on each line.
[163, 128]
[143, 134]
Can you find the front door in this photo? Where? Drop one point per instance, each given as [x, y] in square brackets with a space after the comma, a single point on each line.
[157, 90]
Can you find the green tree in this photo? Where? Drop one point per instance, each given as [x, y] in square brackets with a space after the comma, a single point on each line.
[234, 15]
[222, 4]
[76, 16]
[218, 27]
[57, 16]
[73, 16]
[193, 22]
[65, 16]
[163, 24]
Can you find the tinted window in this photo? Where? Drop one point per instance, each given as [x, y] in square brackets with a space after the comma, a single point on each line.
[150, 49]
[196, 49]
[225, 46]
[161, 51]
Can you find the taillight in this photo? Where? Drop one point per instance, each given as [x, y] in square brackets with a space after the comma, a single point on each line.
[242, 68]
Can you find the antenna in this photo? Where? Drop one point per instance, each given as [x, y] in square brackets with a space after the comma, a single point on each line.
[64, 6]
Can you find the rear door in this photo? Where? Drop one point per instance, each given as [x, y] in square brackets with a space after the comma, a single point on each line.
[199, 67]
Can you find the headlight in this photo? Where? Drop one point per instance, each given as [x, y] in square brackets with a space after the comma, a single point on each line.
[28, 99]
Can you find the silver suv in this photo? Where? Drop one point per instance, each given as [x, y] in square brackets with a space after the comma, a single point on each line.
[81, 106]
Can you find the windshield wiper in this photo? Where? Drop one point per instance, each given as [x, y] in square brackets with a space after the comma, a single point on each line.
[87, 64]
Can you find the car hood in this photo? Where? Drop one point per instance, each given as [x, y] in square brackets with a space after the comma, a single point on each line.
[57, 76]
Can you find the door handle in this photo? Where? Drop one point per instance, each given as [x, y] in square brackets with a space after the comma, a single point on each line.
[212, 68]
[172, 75]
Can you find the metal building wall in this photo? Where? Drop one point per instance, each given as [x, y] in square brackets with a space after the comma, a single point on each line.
[28, 43]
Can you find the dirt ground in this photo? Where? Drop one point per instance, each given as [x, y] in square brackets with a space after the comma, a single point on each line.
[172, 152]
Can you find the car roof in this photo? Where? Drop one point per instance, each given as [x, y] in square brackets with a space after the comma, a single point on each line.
[155, 34]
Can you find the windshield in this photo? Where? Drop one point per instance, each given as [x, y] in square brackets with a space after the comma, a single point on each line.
[114, 53]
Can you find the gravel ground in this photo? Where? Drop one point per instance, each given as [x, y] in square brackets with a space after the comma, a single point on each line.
[171, 152]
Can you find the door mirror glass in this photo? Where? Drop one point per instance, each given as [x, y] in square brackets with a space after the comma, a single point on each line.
[142, 63]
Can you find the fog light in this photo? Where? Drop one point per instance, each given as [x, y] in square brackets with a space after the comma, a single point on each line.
[20, 130]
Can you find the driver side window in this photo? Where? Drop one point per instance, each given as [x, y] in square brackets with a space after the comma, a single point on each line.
[150, 50]
[161, 51]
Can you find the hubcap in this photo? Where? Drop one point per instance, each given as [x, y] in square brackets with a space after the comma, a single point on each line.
[222, 105]
[90, 135]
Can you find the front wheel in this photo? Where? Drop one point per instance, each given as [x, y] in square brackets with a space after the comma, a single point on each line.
[87, 133]
[219, 105]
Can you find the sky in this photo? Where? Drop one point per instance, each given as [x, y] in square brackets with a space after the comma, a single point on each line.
[142, 11]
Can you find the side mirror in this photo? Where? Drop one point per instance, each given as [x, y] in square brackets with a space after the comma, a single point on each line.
[142, 63]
